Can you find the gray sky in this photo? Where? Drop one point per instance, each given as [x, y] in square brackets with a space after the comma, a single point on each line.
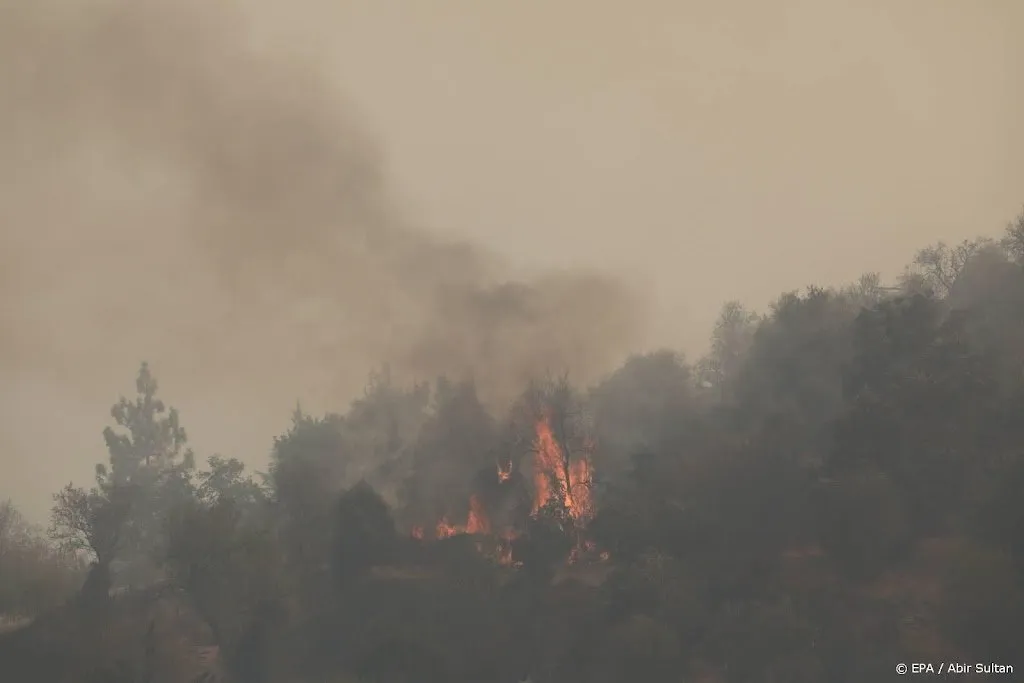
[724, 149]
[700, 151]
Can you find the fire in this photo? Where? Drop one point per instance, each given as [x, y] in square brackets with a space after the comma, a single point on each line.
[559, 477]
[477, 523]
[580, 482]
[504, 552]
[548, 465]
[555, 478]
[445, 529]
[505, 555]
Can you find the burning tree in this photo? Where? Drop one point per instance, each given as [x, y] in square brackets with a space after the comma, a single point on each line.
[561, 447]
[551, 488]
[562, 483]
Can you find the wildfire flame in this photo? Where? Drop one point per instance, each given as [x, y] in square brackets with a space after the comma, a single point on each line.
[504, 551]
[556, 478]
[477, 523]
[445, 529]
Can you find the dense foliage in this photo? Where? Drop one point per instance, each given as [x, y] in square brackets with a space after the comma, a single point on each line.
[832, 490]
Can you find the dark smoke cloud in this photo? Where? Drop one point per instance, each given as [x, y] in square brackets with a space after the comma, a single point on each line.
[171, 191]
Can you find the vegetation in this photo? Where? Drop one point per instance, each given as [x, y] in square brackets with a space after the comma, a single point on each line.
[832, 490]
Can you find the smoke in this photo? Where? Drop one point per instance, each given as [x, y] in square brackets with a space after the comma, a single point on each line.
[171, 191]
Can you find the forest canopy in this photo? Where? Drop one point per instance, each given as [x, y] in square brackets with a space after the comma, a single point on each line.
[833, 488]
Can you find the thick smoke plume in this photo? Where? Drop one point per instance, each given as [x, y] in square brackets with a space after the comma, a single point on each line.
[171, 191]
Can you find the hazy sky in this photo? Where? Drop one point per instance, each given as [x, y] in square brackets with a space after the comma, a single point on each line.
[724, 149]
[701, 150]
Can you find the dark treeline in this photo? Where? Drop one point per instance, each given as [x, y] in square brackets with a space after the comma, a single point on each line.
[833, 489]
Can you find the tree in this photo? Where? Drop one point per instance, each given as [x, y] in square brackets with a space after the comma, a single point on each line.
[231, 569]
[154, 443]
[226, 480]
[794, 366]
[310, 461]
[365, 532]
[731, 340]
[34, 575]
[308, 467]
[867, 291]
[854, 494]
[149, 460]
[382, 427]
[13, 530]
[321, 457]
[863, 524]
[936, 268]
[554, 420]
[1013, 239]
[640, 408]
[92, 522]
[922, 406]
[455, 443]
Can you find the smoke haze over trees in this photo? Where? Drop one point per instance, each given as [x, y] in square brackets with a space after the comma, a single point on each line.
[184, 182]
[833, 489]
[256, 232]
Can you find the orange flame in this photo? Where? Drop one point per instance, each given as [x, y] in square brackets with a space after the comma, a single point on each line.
[504, 553]
[417, 533]
[477, 523]
[548, 467]
[580, 481]
[444, 529]
[555, 478]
